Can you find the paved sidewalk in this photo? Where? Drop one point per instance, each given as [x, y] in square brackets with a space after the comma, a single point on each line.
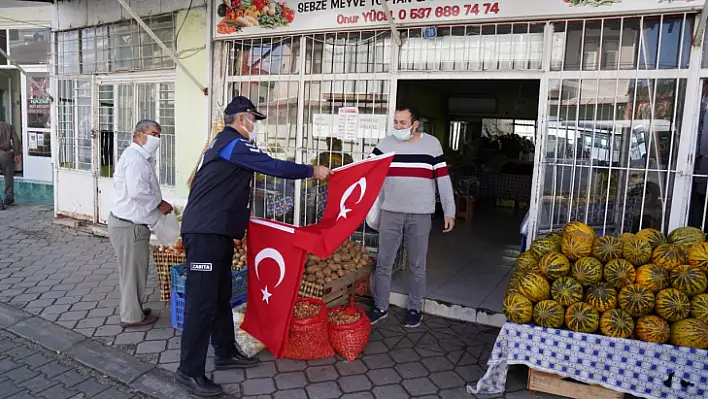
[28, 371]
[69, 278]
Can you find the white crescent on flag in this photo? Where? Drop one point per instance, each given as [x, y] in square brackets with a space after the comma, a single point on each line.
[342, 203]
[269, 253]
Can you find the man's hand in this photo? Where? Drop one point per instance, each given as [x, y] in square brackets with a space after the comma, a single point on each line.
[449, 224]
[322, 172]
[165, 207]
[17, 159]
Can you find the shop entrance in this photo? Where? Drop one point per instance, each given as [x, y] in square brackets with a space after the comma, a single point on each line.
[487, 129]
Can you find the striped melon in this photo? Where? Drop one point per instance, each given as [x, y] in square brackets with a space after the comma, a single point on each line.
[602, 297]
[625, 236]
[637, 251]
[534, 287]
[669, 256]
[554, 265]
[544, 246]
[527, 261]
[698, 256]
[548, 314]
[517, 308]
[652, 329]
[587, 271]
[616, 323]
[555, 236]
[654, 278]
[686, 236]
[581, 317]
[576, 245]
[691, 333]
[636, 300]
[566, 291]
[578, 226]
[699, 307]
[672, 305]
[654, 237]
[607, 248]
[515, 279]
[690, 280]
[511, 291]
[619, 273]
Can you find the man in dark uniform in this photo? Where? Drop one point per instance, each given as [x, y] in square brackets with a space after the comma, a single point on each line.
[217, 212]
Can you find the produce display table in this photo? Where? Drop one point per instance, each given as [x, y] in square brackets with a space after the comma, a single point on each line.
[635, 367]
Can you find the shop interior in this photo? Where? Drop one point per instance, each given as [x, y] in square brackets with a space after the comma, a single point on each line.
[487, 128]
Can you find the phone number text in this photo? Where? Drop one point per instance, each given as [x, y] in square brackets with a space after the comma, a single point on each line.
[464, 10]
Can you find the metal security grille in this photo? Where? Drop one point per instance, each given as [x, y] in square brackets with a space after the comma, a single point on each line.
[74, 123]
[615, 102]
[494, 47]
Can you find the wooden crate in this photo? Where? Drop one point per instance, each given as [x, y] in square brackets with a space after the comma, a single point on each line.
[556, 385]
[337, 292]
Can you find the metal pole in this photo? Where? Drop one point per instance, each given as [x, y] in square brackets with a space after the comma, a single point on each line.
[12, 61]
[162, 45]
[391, 24]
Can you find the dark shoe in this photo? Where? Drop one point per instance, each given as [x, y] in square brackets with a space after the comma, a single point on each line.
[150, 319]
[2, 205]
[147, 311]
[377, 315]
[9, 202]
[200, 386]
[413, 319]
[238, 361]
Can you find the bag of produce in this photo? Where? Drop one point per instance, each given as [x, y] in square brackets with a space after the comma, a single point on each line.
[248, 345]
[308, 338]
[349, 330]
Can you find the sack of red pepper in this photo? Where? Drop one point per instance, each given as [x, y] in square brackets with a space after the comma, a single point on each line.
[318, 333]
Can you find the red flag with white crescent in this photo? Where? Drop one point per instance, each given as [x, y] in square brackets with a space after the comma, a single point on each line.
[275, 268]
[351, 192]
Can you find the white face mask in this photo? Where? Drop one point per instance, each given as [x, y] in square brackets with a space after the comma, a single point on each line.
[253, 133]
[152, 144]
[403, 134]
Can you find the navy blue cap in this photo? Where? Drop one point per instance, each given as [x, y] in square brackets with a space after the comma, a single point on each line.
[243, 104]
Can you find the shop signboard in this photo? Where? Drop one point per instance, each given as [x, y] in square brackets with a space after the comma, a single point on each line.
[236, 18]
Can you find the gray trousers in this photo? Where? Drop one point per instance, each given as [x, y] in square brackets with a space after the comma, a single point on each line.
[393, 227]
[7, 167]
[132, 245]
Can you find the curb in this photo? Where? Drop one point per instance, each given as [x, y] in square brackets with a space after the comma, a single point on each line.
[141, 376]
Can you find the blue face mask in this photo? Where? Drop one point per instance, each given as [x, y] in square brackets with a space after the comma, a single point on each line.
[403, 134]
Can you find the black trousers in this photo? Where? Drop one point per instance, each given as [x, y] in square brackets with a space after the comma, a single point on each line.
[207, 308]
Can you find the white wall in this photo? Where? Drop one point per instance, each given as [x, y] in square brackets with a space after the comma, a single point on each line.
[25, 17]
[78, 13]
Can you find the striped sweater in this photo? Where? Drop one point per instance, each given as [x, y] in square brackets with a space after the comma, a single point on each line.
[414, 172]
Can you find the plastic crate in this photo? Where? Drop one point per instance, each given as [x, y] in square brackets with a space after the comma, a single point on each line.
[178, 289]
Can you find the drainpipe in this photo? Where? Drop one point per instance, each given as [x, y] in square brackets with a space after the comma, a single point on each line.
[698, 35]
[31, 79]
[162, 45]
[391, 24]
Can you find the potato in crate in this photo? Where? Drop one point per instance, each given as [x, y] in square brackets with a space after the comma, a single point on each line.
[178, 275]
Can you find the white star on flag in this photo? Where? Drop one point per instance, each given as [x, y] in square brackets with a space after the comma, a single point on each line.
[266, 295]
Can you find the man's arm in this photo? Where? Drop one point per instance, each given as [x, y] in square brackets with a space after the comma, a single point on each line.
[248, 156]
[442, 177]
[15, 141]
[137, 181]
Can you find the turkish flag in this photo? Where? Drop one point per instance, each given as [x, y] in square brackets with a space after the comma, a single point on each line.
[275, 268]
[351, 192]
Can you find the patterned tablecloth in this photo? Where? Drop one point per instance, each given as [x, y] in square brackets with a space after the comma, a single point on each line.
[638, 368]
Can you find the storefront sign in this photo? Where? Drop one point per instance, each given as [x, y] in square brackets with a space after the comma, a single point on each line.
[366, 126]
[246, 17]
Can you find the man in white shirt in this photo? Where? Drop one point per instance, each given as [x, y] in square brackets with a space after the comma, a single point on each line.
[136, 208]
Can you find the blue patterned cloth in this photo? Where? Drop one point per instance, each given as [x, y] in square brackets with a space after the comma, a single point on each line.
[634, 367]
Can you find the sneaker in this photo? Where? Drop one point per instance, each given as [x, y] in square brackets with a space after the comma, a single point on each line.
[2, 205]
[377, 315]
[413, 319]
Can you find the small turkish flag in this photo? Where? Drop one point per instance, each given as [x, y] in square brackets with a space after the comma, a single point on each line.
[351, 192]
[275, 268]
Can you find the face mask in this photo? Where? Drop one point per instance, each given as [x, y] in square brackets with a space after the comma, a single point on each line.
[152, 144]
[403, 134]
[253, 133]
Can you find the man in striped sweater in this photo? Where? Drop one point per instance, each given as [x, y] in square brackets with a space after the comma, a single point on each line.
[408, 203]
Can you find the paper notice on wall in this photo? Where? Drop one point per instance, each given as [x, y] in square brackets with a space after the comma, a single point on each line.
[40, 139]
[371, 126]
[348, 126]
[32, 139]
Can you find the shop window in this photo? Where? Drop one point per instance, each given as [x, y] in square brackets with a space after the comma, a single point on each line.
[117, 47]
[647, 43]
[74, 123]
[271, 56]
[3, 45]
[348, 52]
[38, 117]
[30, 46]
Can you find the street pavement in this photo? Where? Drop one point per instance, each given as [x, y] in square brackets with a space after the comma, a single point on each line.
[69, 278]
[28, 372]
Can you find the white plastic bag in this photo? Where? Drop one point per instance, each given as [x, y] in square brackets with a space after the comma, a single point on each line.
[525, 225]
[373, 218]
[167, 229]
[248, 345]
